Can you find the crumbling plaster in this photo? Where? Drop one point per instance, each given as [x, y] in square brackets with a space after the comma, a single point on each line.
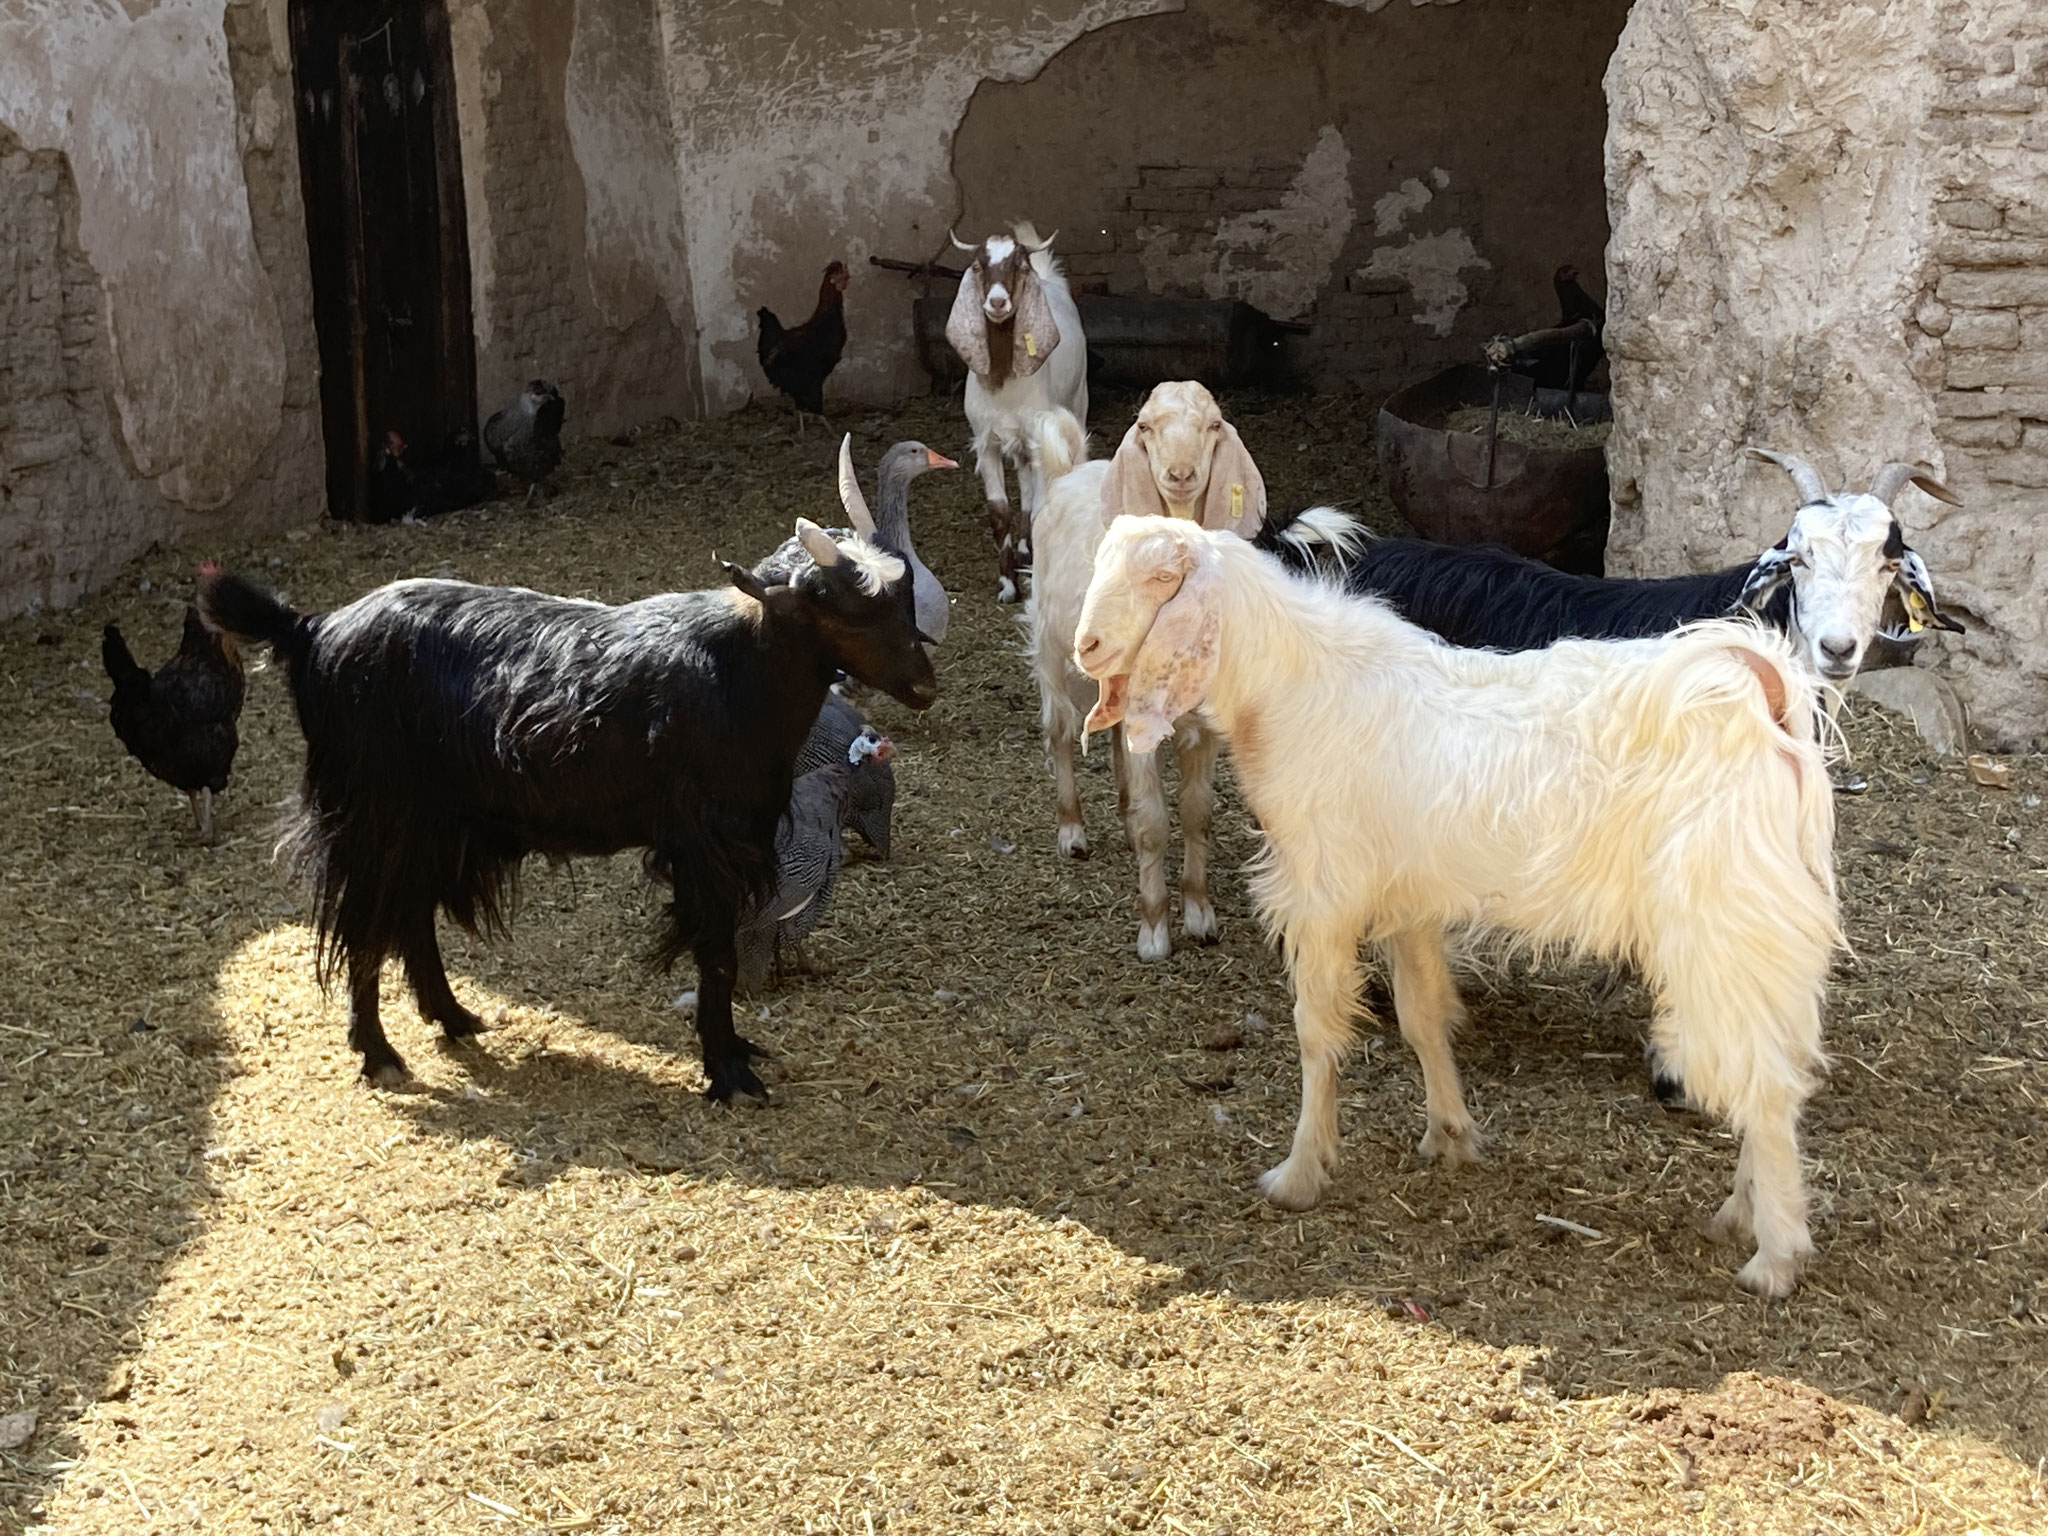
[1830, 238]
[1404, 179]
[576, 227]
[143, 109]
[808, 133]
[156, 356]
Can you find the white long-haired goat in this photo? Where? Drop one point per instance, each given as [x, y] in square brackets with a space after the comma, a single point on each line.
[1016, 327]
[1182, 458]
[1662, 799]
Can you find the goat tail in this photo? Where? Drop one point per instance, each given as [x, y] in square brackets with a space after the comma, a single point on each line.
[244, 609]
[1056, 443]
[1314, 539]
[1732, 693]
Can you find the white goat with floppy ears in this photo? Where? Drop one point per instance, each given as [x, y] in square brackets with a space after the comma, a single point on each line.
[1663, 800]
[1014, 323]
[1180, 457]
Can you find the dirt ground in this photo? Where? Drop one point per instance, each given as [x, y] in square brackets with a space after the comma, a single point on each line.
[992, 1260]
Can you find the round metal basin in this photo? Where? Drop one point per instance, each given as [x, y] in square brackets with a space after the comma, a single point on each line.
[1550, 504]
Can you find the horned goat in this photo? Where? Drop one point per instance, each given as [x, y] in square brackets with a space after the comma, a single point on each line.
[1182, 458]
[1016, 327]
[453, 729]
[1660, 799]
[1825, 583]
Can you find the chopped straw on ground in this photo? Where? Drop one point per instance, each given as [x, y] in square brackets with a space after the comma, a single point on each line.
[992, 1261]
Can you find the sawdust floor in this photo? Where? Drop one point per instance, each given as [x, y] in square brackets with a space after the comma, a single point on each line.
[992, 1260]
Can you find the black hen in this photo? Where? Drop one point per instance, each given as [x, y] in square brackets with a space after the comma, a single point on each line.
[179, 722]
[526, 436]
[1557, 364]
[798, 359]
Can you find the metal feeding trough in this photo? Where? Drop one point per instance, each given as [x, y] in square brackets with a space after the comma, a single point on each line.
[1478, 488]
[1134, 341]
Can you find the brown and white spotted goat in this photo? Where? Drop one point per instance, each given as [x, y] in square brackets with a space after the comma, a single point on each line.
[1015, 325]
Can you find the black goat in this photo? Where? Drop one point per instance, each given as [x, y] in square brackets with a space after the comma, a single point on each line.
[1826, 583]
[453, 729]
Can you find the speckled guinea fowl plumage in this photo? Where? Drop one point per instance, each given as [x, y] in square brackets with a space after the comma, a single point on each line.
[810, 852]
[874, 793]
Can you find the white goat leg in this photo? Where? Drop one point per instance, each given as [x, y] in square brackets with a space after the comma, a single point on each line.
[1148, 831]
[1120, 767]
[988, 462]
[1322, 962]
[1427, 1003]
[1073, 833]
[1198, 746]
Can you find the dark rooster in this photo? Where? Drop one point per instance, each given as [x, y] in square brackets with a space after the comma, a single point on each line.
[798, 359]
[526, 436]
[1566, 356]
[179, 722]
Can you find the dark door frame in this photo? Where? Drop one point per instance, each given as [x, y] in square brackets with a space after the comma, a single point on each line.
[367, 244]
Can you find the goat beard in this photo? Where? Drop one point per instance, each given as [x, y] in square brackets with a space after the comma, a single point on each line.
[1109, 705]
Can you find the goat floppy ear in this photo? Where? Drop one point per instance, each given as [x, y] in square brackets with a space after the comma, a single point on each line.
[1176, 662]
[1236, 497]
[1036, 331]
[966, 326]
[1922, 612]
[1772, 570]
[1129, 489]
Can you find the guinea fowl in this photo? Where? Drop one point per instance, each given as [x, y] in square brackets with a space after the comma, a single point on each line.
[526, 436]
[809, 852]
[798, 359]
[179, 722]
[874, 800]
[888, 525]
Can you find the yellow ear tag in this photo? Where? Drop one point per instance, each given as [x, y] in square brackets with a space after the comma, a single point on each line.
[1915, 606]
[1030, 345]
[1236, 500]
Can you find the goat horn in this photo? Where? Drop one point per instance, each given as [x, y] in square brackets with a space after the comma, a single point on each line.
[850, 497]
[959, 244]
[1811, 487]
[823, 548]
[1034, 249]
[1894, 478]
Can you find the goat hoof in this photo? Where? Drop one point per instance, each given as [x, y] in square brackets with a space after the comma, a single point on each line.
[1198, 921]
[731, 1077]
[1773, 1278]
[461, 1024]
[1153, 941]
[387, 1074]
[1296, 1185]
[1731, 1223]
[1073, 842]
[1452, 1145]
[1006, 591]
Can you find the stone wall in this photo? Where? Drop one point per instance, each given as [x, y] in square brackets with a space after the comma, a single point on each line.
[1405, 179]
[1829, 238]
[156, 354]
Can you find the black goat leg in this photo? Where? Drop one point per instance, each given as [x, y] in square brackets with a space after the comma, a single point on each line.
[381, 1064]
[429, 978]
[725, 1053]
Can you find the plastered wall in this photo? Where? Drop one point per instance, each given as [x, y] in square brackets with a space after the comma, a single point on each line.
[1404, 178]
[155, 327]
[1831, 237]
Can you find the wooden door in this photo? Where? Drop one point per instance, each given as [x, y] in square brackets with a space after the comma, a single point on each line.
[381, 166]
